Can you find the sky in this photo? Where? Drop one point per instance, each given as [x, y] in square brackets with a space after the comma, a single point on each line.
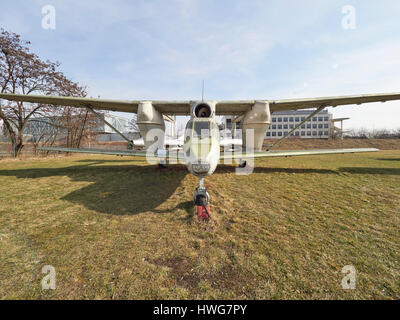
[163, 49]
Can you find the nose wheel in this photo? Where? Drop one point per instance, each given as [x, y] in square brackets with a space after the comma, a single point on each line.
[202, 201]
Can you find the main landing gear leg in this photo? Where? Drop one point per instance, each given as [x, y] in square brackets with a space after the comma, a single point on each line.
[202, 201]
[162, 164]
[242, 163]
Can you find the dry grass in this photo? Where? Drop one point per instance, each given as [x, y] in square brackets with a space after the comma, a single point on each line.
[115, 229]
[297, 143]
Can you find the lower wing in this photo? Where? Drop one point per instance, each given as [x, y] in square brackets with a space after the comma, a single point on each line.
[292, 153]
[161, 154]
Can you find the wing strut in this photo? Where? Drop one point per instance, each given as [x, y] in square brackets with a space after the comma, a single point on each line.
[130, 142]
[299, 125]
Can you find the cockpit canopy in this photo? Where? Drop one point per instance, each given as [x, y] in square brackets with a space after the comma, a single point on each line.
[200, 136]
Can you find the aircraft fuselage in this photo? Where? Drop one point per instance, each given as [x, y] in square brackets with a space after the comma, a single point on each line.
[201, 140]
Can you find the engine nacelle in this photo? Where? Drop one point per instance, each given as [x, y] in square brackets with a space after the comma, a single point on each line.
[257, 120]
[151, 125]
[202, 109]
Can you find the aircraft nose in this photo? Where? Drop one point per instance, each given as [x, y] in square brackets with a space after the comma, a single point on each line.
[201, 168]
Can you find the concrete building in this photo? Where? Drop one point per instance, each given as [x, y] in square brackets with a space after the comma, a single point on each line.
[320, 126]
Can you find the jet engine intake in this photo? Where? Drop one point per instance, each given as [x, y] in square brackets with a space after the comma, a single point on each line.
[203, 110]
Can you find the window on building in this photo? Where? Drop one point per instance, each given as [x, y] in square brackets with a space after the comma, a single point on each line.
[297, 119]
[327, 133]
[268, 134]
[285, 119]
[274, 126]
[274, 134]
[279, 119]
[326, 125]
[279, 126]
[229, 123]
[320, 126]
[314, 119]
[303, 133]
[308, 133]
[273, 119]
[296, 133]
[320, 118]
[326, 118]
[303, 126]
[308, 125]
[314, 133]
[285, 126]
[291, 119]
[280, 133]
[285, 133]
[291, 126]
[303, 118]
[314, 126]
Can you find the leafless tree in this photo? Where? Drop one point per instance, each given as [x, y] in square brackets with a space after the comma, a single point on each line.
[364, 133]
[22, 71]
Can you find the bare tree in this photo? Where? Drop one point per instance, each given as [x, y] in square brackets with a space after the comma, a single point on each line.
[24, 72]
[364, 133]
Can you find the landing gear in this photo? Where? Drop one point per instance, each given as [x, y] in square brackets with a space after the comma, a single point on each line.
[202, 201]
[162, 164]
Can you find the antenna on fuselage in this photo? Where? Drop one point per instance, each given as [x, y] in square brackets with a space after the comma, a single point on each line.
[202, 93]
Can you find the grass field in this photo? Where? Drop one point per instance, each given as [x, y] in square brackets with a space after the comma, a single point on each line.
[114, 228]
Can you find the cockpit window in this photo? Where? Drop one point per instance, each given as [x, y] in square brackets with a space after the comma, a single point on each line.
[201, 129]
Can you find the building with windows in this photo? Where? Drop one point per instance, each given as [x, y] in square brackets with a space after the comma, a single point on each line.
[282, 122]
[318, 126]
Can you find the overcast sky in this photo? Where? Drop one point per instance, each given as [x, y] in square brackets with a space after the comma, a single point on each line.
[242, 49]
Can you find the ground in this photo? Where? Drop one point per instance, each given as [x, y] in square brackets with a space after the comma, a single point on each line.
[114, 228]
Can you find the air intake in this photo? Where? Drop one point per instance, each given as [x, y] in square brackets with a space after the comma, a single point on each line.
[203, 110]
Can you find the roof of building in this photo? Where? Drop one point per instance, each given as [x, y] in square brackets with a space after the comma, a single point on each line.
[298, 112]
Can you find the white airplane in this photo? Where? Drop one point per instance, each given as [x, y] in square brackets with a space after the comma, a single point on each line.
[201, 149]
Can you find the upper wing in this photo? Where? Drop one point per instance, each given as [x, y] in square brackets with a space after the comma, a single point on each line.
[167, 107]
[239, 107]
[292, 153]
[294, 104]
[183, 107]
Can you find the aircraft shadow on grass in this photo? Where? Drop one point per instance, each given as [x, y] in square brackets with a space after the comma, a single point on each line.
[389, 159]
[132, 189]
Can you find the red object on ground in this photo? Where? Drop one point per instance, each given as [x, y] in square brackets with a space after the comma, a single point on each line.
[202, 213]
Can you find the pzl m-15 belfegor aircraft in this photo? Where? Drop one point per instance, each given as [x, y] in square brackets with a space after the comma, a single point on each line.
[201, 152]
